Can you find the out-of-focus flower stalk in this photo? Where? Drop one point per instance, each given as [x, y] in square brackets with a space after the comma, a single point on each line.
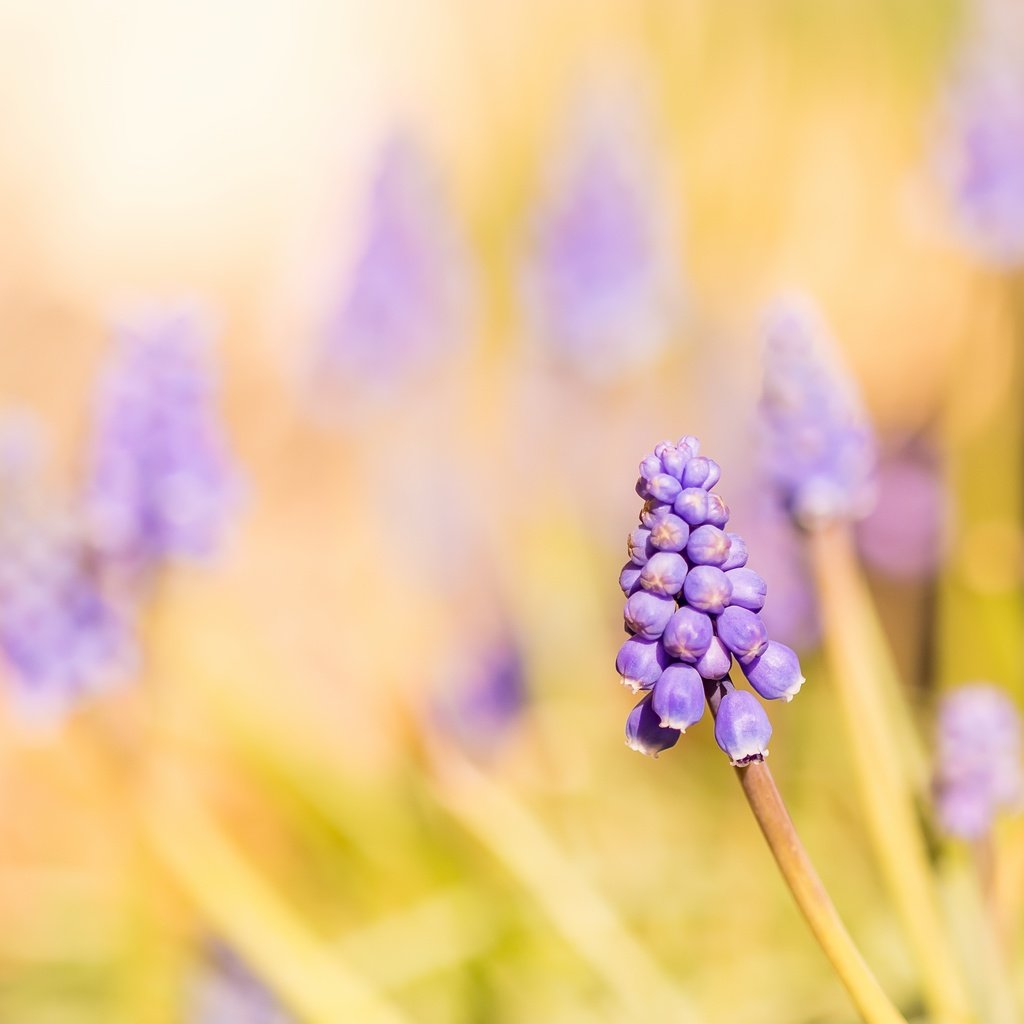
[811, 897]
[592, 927]
[885, 788]
[240, 905]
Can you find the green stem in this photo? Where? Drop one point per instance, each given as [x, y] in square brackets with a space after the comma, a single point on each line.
[810, 894]
[885, 791]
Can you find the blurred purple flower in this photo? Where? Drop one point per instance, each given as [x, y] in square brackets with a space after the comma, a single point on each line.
[905, 536]
[602, 284]
[161, 484]
[982, 154]
[225, 991]
[679, 638]
[60, 637]
[820, 449]
[977, 759]
[484, 696]
[405, 303]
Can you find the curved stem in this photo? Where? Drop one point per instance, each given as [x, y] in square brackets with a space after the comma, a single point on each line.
[885, 789]
[810, 894]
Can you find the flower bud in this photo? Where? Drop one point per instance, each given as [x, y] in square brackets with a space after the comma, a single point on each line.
[650, 468]
[664, 574]
[692, 505]
[644, 733]
[669, 533]
[639, 546]
[696, 472]
[652, 511]
[629, 578]
[707, 589]
[737, 553]
[775, 672]
[748, 589]
[664, 487]
[714, 475]
[640, 662]
[678, 697]
[742, 728]
[743, 632]
[707, 546]
[674, 461]
[688, 634]
[689, 446]
[718, 511]
[715, 662]
[648, 614]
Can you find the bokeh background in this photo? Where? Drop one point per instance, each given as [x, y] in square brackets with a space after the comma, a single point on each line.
[391, 685]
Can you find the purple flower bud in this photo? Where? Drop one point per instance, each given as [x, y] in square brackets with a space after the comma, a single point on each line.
[664, 487]
[674, 461]
[644, 732]
[661, 447]
[707, 589]
[669, 533]
[716, 660]
[161, 484]
[776, 672]
[641, 487]
[718, 511]
[664, 574]
[648, 614]
[689, 446]
[821, 452]
[692, 505]
[640, 662]
[629, 578]
[678, 698]
[696, 471]
[742, 728]
[639, 546]
[742, 632]
[707, 546]
[652, 511]
[714, 475]
[688, 634]
[978, 759]
[748, 589]
[650, 468]
[737, 553]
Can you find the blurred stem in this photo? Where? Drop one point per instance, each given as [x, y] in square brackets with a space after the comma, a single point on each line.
[886, 793]
[520, 842]
[810, 894]
[249, 915]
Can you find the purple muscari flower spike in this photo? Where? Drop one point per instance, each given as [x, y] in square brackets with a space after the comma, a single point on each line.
[225, 991]
[742, 728]
[161, 484]
[405, 304]
[61, 639]
[981, 159]
[820, 450]
[602, 285]
[483, 697]
[977, 759]
[689, 634]
[644, 732]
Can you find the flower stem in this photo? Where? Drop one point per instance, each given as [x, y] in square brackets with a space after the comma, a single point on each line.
[810, 894]
[885, 789]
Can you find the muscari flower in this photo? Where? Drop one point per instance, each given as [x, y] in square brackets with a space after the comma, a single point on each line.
[977, 759]
[691, 611]
[225, 991]
[404, 304]
[61, 637]
[981, 159]
[161, 484]
[602, 285]
[819, 447]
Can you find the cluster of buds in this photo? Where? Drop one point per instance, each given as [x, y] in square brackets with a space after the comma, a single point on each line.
[691, 607]
[978, 759]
